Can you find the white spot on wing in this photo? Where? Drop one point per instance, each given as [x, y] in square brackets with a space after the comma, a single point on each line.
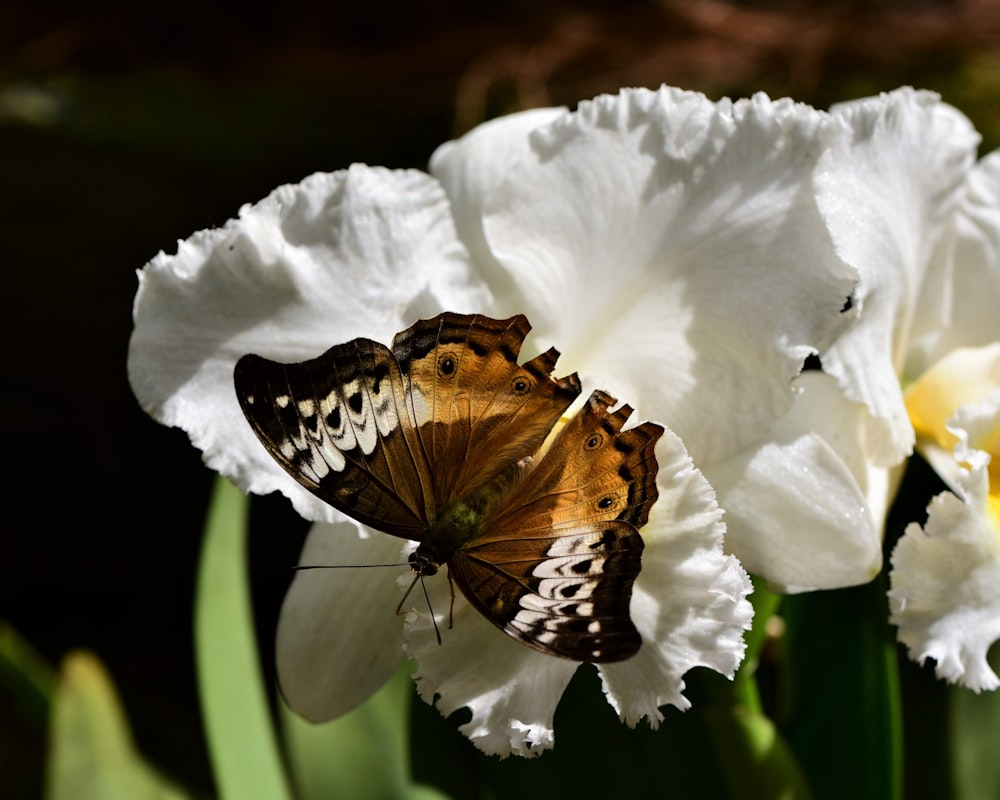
[579, 587]
[330, 454]
[577, 544]
[363, 421]
[570, 567]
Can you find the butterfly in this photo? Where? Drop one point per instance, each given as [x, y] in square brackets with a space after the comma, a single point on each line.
[437, 440]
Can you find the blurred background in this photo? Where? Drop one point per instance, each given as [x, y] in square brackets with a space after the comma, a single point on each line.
[125, 127]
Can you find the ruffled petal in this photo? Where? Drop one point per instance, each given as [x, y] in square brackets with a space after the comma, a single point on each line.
[326, 647]
[689, 604]
[945, 594]
[886, 191]
[471, 168]
[804, 509]
[671, 246]
[690, 600]
[339, 638]
[962, 378]
[361, 252]
[511, 690]
[961, 292]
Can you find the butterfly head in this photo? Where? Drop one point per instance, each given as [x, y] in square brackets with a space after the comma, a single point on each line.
[423, 564]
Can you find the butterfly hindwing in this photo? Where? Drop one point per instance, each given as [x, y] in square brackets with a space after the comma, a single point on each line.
[565, 591]
[555, 564]
[341, 426]
[593, 471]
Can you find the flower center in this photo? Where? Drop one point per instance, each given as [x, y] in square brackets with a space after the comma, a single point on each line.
[963, 377]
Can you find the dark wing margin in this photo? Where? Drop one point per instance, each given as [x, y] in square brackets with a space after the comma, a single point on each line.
[595, 470]
[340, 425]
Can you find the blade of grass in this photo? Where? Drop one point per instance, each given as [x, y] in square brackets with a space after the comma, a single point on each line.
[241, 737]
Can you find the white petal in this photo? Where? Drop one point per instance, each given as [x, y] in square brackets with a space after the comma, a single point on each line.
[887, 191]
[689, 602]
[689, 605]
[804, 509]
[470, 169]
[945, 594]
[978, 425]
[362, 252]
[339, 638]
[511, 690]
[671, 246]
[961, 292]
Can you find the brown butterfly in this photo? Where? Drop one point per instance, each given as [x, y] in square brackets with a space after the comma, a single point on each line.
[436, 440]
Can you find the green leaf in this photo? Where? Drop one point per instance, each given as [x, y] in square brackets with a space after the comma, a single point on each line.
[765, 605]
[974, 734]
[27, 677]
[364, 754]
[756, 761]
[238, 726]
[92, 755]
[841, 692]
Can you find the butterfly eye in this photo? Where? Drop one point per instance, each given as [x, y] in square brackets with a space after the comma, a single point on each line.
[595, 441]
[447, 365]
[520, 385]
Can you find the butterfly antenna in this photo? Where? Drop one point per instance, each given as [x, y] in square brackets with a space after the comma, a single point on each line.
[427, 597]
[346, 566]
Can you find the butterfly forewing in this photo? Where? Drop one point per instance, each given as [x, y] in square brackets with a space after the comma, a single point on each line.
[341, 426]
[478, 412]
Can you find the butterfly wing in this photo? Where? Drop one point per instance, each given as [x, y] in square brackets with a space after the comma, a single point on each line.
[477, 411]
[555, 564]
[341, 425]
[393, 437]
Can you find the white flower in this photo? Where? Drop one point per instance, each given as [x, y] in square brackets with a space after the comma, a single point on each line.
[908, 206]
[945, 594]
[724, 266]
[668, 246]
[891, 189]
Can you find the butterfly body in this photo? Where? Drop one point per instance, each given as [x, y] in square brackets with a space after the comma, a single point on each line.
[437, 440]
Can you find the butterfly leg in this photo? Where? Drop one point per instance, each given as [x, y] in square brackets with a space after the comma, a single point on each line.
[451, 608]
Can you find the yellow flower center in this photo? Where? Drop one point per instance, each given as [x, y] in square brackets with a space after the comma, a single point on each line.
[963, 377]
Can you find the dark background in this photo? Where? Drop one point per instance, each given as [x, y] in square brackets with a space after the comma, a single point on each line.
[124, 128]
